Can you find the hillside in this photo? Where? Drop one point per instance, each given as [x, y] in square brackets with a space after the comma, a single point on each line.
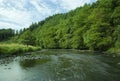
[94, 26]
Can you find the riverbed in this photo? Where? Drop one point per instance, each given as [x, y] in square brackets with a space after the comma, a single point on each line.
[60, 65]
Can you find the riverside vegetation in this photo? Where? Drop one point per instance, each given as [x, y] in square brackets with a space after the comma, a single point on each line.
[9, 49]
[90, 27]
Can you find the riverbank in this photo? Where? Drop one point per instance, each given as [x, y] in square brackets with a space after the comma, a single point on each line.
[115, 52]
[10, 49]
[14, 49]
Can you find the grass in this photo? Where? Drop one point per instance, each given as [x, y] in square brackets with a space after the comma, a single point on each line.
[114, 51]
[9, 49]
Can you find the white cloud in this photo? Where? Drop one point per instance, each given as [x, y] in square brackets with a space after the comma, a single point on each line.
[16, 16]
[41, 7]
[1, 1]
[72, 4]
[21, 13]
[9, 25]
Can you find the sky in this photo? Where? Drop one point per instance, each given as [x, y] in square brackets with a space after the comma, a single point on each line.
[19, 14]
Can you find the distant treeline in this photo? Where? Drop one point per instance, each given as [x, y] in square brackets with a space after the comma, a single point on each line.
[94, 26]
[6, 34]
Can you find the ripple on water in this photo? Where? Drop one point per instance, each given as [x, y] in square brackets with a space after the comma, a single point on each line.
[65, 66]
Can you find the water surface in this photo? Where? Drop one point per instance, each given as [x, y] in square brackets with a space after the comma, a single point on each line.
[60, 65]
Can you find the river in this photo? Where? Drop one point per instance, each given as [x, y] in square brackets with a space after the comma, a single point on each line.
[60, 65]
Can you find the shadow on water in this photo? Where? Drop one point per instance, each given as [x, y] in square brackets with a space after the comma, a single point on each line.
[60, 65]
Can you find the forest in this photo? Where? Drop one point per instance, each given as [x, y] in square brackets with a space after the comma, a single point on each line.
[6, 34]
[80, 45]
[93, 26]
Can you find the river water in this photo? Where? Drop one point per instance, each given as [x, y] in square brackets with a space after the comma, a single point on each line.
[60, 65]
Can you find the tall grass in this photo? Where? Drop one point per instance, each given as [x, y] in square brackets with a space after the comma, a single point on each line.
[9, 49]
[114, 50]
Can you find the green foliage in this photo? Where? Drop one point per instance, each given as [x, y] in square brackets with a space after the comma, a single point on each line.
[98, 37]
[93, 26]
[116, 16]
[117, 37]
[10, 49]
[28, 38]
[6, 34]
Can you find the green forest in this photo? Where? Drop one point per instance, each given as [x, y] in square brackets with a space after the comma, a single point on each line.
[93, 26]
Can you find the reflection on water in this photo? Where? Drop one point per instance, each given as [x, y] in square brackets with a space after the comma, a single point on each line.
[60, 65]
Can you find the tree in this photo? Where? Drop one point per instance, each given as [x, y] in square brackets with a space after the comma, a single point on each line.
[28, 38]
[117, 37]
[98, 38]
[92, 26]
[6, 34]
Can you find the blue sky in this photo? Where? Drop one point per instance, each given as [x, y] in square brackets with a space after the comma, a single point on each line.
[17, 14]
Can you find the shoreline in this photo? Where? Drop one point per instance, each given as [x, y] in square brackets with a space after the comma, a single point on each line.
[18, 49]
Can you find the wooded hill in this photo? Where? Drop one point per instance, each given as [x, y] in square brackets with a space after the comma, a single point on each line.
[94, 26]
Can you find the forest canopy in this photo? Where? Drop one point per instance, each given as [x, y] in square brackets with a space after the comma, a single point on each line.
[93, 26]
